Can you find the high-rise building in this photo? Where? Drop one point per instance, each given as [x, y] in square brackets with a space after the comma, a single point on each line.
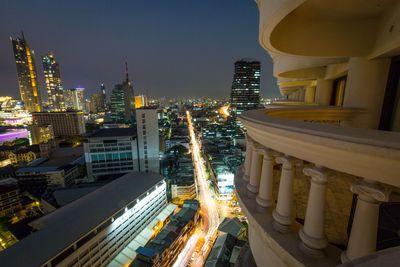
[103, 97]
[52, 78]
[122, 101]
[64, 123]
[75, 99]
[27, 76]
[245, 93]
[148, 139]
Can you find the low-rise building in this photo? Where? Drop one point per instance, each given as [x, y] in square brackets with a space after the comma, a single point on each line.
[24, 154]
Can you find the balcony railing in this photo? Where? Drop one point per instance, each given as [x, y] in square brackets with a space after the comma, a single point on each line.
[326, 162]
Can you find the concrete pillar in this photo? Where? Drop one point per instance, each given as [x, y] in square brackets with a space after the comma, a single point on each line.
[255, 173]
[365, 89]
[363, 235]
[247, 159]
[283, 212]
[323, 92]
[309, 96]
[264, 198]
[312, 233]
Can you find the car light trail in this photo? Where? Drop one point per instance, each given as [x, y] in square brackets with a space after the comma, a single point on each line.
[208, 207]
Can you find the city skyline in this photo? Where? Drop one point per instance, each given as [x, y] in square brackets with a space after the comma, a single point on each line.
[202, 66]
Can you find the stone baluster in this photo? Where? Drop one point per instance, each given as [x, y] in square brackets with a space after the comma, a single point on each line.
[283, 212]
[247, 160]
[363, 235]
[255, 173]
[312, 233]
[264, 198]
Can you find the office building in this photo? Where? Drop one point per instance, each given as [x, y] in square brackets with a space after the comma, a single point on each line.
[93, 229]
[103, 95]
[245, 93]
[324, 175]
[122, 101]
[64, 124]
[27, 76]
[111, 152]
[148, 139]
[52, 78]
[74, 99]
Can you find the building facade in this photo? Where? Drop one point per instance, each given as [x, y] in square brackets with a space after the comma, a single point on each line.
[110, 152]
[320, 179]
[148, 139]
[74, 99]
[103, 95]
[67, 123]
[245, 92]
[96, 228]
[39, 134]
[27, 75]
[52, 79]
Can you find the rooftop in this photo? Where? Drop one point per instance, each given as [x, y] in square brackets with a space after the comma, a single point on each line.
[66, 225]
[113, 132]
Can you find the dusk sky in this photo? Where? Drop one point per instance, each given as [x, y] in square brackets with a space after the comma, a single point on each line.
[175, 48]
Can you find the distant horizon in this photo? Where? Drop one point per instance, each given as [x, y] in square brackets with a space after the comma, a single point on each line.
[187, 56]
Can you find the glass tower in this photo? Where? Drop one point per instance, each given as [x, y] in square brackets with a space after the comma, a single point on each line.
[245, 93]
[103, 96]
[27, 76]
[52, 78]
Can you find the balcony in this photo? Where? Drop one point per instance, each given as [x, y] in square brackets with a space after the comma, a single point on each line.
[299, 180]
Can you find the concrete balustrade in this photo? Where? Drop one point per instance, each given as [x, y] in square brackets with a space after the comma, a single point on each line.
[362, 240]
[312, 233]
[247, 160]
[283, 212]
[259, 170]
[264, 198]
[255, 173]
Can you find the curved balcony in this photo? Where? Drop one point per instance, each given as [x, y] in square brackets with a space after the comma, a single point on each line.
[297, 184]
[343, 28]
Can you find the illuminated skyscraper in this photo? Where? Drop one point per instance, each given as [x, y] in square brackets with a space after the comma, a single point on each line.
[52, 78]
[27, 77]
[245, 94]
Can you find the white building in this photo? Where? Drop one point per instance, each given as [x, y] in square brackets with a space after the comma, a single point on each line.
[319, 169]
[94, 229]
[148, 139]
[112, 151]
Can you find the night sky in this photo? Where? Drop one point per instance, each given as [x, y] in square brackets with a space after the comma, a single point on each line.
[174, 48]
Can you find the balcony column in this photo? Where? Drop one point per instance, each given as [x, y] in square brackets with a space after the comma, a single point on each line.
[363, 235]
[255, 173]
[283, 212]
[312, 233]
[264, 198]
[247, 160]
